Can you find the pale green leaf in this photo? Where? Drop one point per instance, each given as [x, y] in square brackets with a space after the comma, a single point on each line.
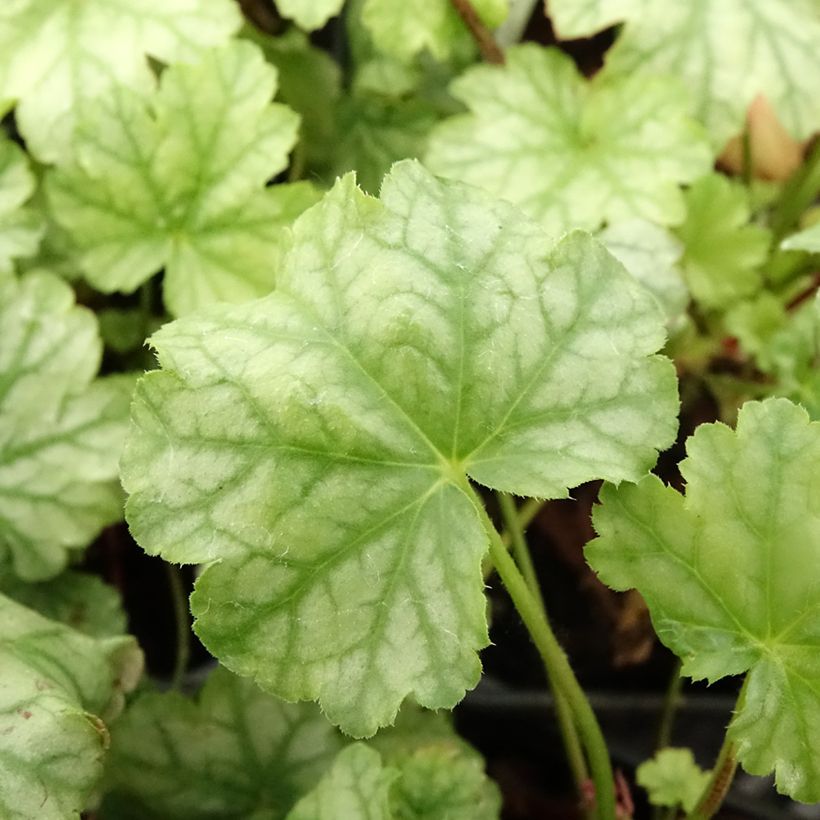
[404, 29]
[309, 14]
[728, 573]
[57, 54]
[652, 254]
[722, 251]
[805, 240]
[727, 51]
[672, 778]
[356, 788]
[177, 180]
[83, 602]
[61, 432]
[20, 228]
[57, 688]
[572, 153]
[234, 752]
[315, 444]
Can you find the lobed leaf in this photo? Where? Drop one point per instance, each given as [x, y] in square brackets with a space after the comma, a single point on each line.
[61, 430]
[773, 52]
[20, 228]
[177, 180]
[309, 14]
[728, 573]
[234, 752]
[315, 445]
[57, 689]
[55, 55]
[672, 778]
[572, 153]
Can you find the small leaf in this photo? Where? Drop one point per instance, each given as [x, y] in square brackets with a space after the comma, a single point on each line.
[61, 431]
[404, 29]
[83, 602]
[572, 153]
[357, 787]
[774, 52]
[309, 14]
[672, 778]
[805, 240]
[722, 251]
[58, 688]
[234, 752]
[56, 54]
[727, 573]
[177, 180]
[315, 445]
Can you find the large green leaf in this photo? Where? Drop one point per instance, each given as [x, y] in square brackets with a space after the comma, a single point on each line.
[315, 445]
[729, 574]
[57, 54]
[572, 153]
[20, 228]
[178, 180]
[723, 252]
[60, 432]
[235, 752]
[728, 52]
[57, 689]
[404, 29]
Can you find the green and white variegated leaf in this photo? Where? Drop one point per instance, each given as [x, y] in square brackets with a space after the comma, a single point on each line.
[177, 180]
[309, 14]
[234, 752]
[20, 228]
[61, 431]
[652, 254]
[404, 29]
[438, 781]
[672, 778]
[571, 153]
[315, 445]
[728, 573]
[580, 18]
[723, 252]
[57, 689]
[55, 55]
[727, 51]
[83, 602]
[357, 787]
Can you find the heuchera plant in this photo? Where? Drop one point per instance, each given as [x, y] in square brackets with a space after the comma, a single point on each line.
[327, 299]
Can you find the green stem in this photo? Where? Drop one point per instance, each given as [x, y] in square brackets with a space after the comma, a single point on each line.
[799, 193]
[512, 29]
[670, 706]
[560, 672]
[183, 626]
[722, 774]
[569, 734]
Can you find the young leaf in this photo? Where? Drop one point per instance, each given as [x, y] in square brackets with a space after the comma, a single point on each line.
[672, 778]
[309, 14]
[572, 153]
[235, 752]
[805, 240]
[20, 228]
[728, 574]
[57, 54]
[404, 29]
[315, 445]
[83, 602]
[177, 180]
[652, 255]
[357, 786]
[774, 52]
[61, 431]
[58, 688]
[722, 251]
